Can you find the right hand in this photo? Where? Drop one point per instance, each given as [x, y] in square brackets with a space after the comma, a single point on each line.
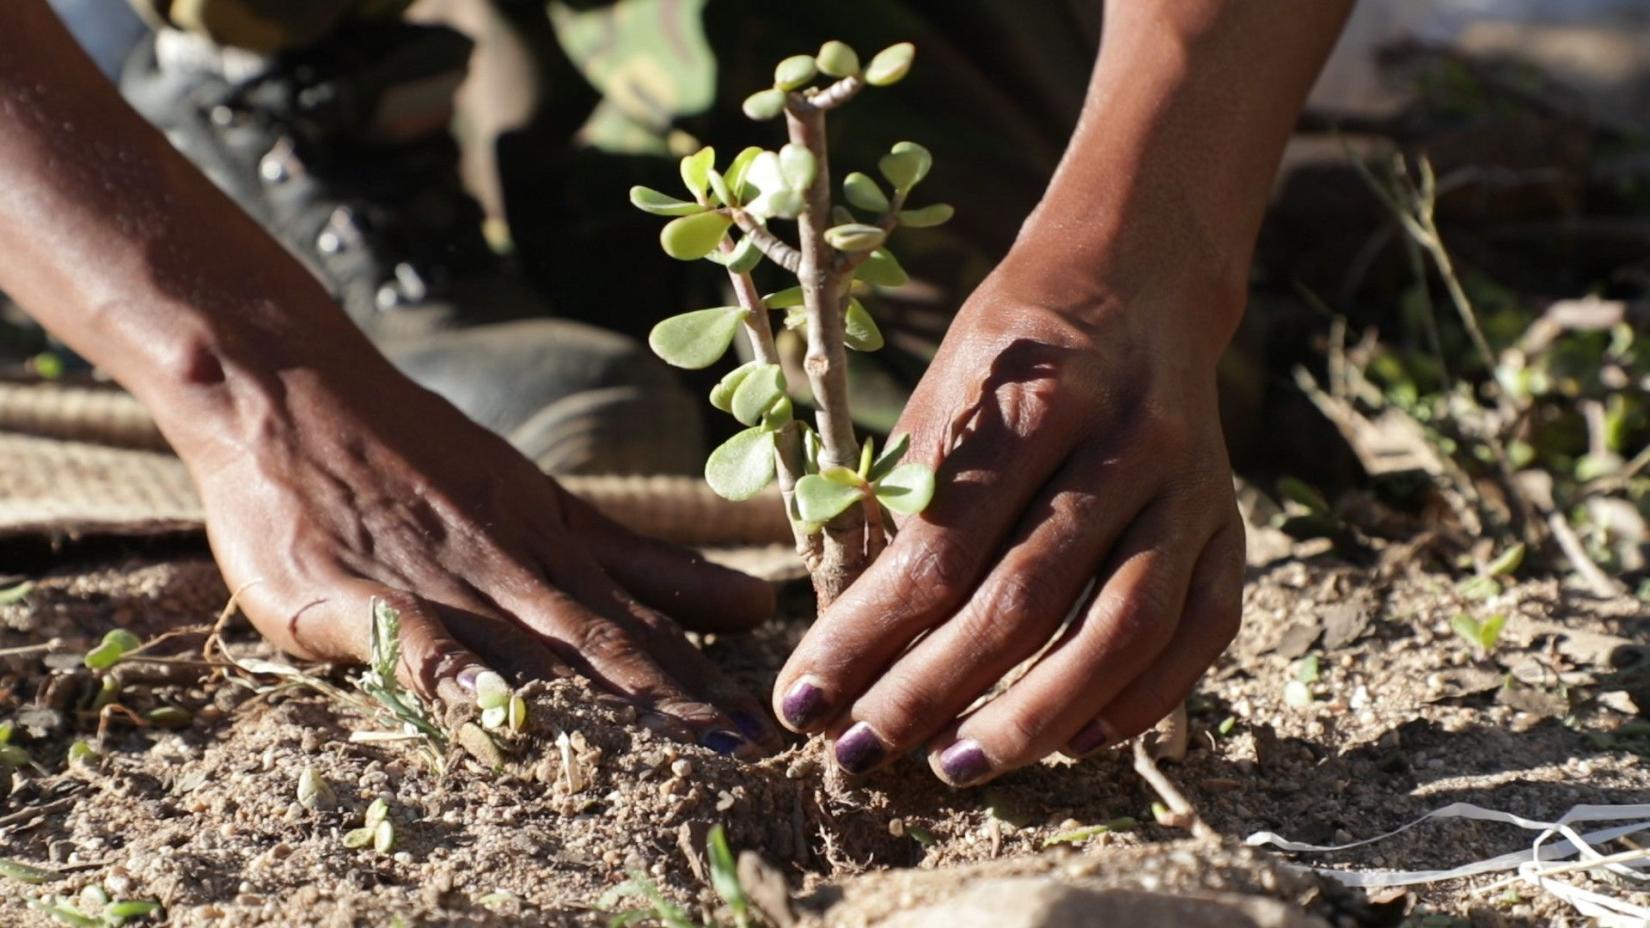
[326, 491]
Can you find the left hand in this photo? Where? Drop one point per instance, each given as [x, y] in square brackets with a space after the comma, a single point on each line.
[1081, 470]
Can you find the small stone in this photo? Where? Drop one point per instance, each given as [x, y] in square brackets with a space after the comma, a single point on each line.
[681, 767]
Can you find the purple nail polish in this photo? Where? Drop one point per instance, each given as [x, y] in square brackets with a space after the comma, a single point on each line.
[466, 678]
[803, 705]
[964, 762]
[750, 725]
[859, 749]
[1094, 736]
[723, 742]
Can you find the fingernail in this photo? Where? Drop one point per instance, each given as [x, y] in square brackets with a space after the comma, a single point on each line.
[750, 725]
[466, 678]
[1094, 736]
[723, 742]
[803, 705]
[964, 762]
[859, 749]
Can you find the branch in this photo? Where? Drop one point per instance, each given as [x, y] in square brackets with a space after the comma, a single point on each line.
[770, 244]
[828, 99]
[1183, 814]
[887, 222]
[1597, 580]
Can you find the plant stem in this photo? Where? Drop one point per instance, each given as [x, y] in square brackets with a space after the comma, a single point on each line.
[829, 98]
[788, 454]
[770, 245]
[824, 286]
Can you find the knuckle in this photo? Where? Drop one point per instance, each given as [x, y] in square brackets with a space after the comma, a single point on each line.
[903, 707]
[934, 575]
[603, 642]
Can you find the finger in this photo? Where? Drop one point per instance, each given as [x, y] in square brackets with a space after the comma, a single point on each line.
[1009, 444]
[678, 581]
[506, 646]
[1020, 605]
[612, 654]
[1130, 623]
[1214, 608]
[432, 662]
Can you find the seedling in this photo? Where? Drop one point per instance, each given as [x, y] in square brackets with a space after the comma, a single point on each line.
[724, 879]
[16, 594]
[94, 909]
[1082, 835]
[377, 830]
[834, 489]
[500, 706]
[380, 683]
[1483, 635]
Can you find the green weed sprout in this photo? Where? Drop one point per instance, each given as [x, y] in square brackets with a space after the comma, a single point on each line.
[94, 909]
[376, 830]
[835, 489]
[1483, 634]
[379, 680]
[724, 879]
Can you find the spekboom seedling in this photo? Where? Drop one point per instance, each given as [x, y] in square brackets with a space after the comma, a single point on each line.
[835, 489]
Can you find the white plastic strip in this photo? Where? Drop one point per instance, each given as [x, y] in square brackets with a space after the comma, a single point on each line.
[1529, 864]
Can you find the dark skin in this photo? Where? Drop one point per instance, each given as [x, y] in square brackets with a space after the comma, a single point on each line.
[1071, 415]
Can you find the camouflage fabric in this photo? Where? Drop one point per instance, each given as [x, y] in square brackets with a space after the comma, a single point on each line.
[265, 25]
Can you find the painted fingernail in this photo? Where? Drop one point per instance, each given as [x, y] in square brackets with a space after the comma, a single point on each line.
[723, 742]
[964, 762]
[750, 725]
[859, 749]
[803, 705]
[1094, 736]
[466, 678]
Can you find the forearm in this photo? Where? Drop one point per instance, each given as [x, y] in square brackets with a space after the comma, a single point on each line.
[121, 248]
[1188, 110]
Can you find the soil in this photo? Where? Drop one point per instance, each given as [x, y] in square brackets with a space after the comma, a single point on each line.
[1403, 716]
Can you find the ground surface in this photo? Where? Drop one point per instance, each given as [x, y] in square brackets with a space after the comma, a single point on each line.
[1403, 717]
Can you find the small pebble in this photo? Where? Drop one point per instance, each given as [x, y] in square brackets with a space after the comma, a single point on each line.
[681, 767]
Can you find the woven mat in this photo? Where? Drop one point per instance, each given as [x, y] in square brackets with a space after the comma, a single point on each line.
[72, 489]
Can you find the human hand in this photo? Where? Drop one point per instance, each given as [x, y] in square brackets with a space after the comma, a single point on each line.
[1081, 473]
[350, 487]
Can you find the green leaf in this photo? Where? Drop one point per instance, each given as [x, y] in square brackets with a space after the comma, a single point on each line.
[115, 645]
[122, 909]
[864, 193]
[1305, 494]
[757, 393]
[786, 204]
[794, 72]
[781, 413]
[743, 259]
[764, 104]
[820, 499]
[696, 170]
[16, 593]
[882, 269]
[1507, 563]
[837, 59]
[798, 166]
[377, 811]
[1489, 631]
[25, 873]
[937, 214]
[906, 489]
[719, 186]
[491, 690]
[736, 172]
[784, 299]
[698, 339]
[890, 456]
[846, 476]
[721, 395]
[890, 65]
[724, 875]
[742, 465]
[494, 717]
[357, 838]
[855, 236]
[860, 330]
[652, 201]
[905, 165]
[692, 237]
[796, 318]
[1306, 670]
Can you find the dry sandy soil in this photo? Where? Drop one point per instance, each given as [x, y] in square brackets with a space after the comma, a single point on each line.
[1404, 716]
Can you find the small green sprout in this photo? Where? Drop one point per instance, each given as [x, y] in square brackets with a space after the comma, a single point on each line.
[500, 706]
[377, 830]
[1483, 635]
[16, 594]
[841, 256]
[115, 645]
[110, 913]
[1307, 514]
[1226, 726]
[379, 680]
[1081, 835]
[724, 876]
[81, 753]
[26, 873]
[657, 908]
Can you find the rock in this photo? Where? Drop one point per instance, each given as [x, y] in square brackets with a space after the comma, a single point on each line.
[1041, 902]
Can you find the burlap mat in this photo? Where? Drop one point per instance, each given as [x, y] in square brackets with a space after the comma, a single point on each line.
[55, 484]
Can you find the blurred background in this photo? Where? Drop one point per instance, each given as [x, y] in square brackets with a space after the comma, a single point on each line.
[1448, 319]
